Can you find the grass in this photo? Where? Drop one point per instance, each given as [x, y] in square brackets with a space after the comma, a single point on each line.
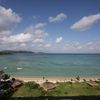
[63, 89]
[75, 89]
[29, 89]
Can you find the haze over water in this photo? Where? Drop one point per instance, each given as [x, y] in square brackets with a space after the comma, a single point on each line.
[27, 64]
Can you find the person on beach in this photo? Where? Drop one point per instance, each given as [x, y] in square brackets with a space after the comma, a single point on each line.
[78, 78]
[43, 77]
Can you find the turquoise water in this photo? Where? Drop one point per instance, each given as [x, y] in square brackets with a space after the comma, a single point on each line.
[51, 64]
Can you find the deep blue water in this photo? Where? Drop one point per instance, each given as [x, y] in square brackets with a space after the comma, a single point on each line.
[51, 64]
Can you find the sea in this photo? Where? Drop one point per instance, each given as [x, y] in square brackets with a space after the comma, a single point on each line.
[67, 65]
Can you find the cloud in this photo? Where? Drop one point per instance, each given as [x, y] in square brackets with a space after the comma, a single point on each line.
[23, 45]
[38, 32]
[40, 25]
[93, 45]
[33, 35]
[8, 17]
[38, 40]
[17, 38]
[47, 45]
[73, 45]
[57, 18]
[59, 39]
[5, 33]
[89, 43]
[85, 22]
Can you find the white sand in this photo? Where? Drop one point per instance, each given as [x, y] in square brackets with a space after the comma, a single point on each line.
[40, 79]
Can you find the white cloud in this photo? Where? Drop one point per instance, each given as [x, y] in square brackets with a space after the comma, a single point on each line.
[37, 30]
[59, 17]
[40, 25]
[23, 45]
[47, 45]
[86, 22]
[93, 45]
[8, 17]
[30, 29]
[5, 33]
[38, 40]
[33, 35]
[17, 38]
[39, 33]
[89, 43]
[40, 45]
[59, 39]
[73, 46]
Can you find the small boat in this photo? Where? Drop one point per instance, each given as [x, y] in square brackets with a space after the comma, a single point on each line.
[19, 68]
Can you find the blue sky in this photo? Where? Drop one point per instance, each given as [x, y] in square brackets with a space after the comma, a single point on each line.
[64, 26]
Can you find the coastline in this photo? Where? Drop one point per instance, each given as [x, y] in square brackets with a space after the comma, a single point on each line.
[41, 79]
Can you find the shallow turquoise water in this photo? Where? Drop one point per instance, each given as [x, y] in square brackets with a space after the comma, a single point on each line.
[51, 64]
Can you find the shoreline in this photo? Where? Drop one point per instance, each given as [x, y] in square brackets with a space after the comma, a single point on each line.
[41, 79]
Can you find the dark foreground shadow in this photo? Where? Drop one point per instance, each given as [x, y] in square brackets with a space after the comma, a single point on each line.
[54, 98]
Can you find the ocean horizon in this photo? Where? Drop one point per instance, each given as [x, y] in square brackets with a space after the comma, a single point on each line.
[54, 64]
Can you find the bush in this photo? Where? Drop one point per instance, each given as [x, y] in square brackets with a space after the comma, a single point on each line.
[7, 93]
[5, 76]
[32, 85]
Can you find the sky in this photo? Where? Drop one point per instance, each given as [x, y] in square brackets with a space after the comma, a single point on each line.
[53, 26]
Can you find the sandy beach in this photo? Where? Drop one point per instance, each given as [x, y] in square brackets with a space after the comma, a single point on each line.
[40, 79]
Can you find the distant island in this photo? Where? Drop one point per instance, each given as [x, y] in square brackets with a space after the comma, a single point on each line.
[9, 52]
